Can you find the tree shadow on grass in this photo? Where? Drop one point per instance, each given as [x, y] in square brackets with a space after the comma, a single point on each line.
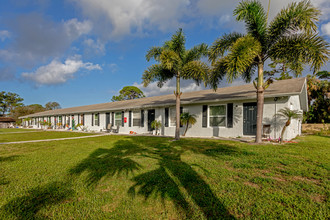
[108, 162]
[28, 206]
[174, 174]
[174, 179]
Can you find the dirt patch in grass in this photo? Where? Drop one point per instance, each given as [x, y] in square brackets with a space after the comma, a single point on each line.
[318, 198]
[109, 207]
[305, 179]
[252, 185]
[278, 178]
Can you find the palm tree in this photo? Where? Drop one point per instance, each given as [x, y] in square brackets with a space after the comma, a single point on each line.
[291, 37]
[288, 115]
[187, 119]
[173, 60]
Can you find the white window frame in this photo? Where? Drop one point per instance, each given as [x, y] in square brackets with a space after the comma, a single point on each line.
[208, 116]
[96, 120]
[120, 118]
[169, 116]
[138, 112]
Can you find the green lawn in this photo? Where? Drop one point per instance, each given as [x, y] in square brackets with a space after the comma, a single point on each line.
[127, 177]
[12, 130]
[39, 135]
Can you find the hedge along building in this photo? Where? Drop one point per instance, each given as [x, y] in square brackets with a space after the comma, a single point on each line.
[227, 112]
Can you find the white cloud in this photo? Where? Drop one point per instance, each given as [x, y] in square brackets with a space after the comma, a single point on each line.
[168, 88]
[325, 28]
[74, 28]
[117, 18]
[94, 46]
[39, 39]
[57, 72]
[4, 34]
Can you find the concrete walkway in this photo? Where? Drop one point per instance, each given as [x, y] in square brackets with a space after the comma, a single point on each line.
[56, 139]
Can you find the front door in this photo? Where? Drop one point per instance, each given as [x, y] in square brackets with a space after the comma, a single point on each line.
[151, 118]
[107, 119]
[249, 118]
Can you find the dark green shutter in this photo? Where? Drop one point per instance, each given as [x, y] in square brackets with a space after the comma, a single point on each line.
[83, 119]
[181, 110]
[142, 118]
[204, 118]
[92, 119]
[98, 119]
[230, 111]
[112, 118]
[122, 119]
[166, 117]
[130, 119]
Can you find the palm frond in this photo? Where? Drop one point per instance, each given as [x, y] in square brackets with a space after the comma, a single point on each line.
[196, 70]
[249, 72]
[155, 73]
[301, 49]
[298, 16]
[177, 43]
[255, 18]
[241, 56]
[222, 44]
[170, 59]
[288, 113]
[196, 53]
[217, 73]
[154, 52]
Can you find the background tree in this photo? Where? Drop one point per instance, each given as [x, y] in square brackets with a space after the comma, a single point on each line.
[318, 87]
[9, 101]
[291, 37]
[127, 93]
[288, 115]
[187, 119]
[26, 110]
[52, 106]
[173, 60]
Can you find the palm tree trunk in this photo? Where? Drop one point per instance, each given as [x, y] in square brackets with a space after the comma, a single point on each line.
[260, 101]
[185, 131]
[282, 133]
[177, 127]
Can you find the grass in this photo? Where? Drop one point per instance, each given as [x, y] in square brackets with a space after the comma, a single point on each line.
[128, 177]
[38, 135]
[13, 130]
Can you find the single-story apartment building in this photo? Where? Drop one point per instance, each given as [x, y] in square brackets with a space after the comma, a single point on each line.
[226, 112]
[7, 122]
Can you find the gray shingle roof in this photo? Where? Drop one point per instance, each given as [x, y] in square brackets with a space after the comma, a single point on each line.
[278, 88]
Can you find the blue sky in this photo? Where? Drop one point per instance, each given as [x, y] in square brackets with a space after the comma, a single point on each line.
[80, 52]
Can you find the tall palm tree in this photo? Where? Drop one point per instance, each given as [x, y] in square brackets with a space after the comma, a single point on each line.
[291, 37]
[187, 119]
[288, 115]
[173, 60]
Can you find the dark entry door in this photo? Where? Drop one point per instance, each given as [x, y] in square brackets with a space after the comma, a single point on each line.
[249, 118]
[107, 120]
[151, 118]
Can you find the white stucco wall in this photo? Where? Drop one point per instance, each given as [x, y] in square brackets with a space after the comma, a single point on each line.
[271, 107]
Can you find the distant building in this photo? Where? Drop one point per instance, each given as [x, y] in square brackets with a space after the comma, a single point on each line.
[6, 122]
[227, 112]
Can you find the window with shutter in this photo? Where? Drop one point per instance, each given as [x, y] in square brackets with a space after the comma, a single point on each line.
[136, 118]
[217, 116]
[118, 119]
